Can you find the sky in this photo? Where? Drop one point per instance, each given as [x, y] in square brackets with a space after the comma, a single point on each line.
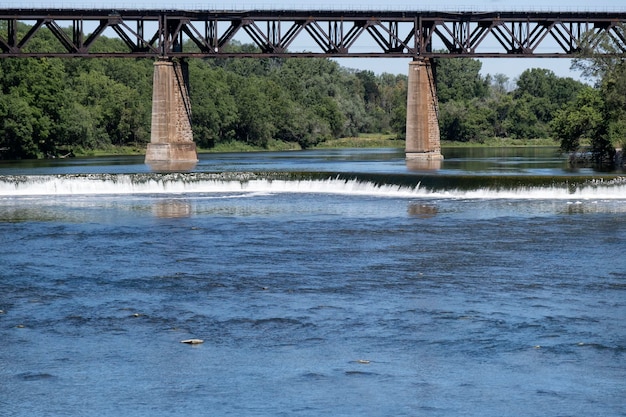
[511, 67]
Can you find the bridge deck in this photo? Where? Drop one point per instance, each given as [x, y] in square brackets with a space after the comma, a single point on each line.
[298, 33]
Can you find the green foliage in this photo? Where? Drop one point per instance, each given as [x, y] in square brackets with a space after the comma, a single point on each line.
[72, 103]
[89, 104]
[602, 60]
[539, 95]
[17, 124]
[613, 90]
[600, 53]
[523, 112]
[49, 106]
[459, 79]
[581, 118]
[214, 110]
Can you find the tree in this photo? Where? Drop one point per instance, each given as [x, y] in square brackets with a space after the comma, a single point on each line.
[582, 118]
[537, 98]
[500, 84]
[393, 93]
[535, 82]
[470, 121]
[253, 124]
[459, 79]
[37, 82]
[17, 121]
[600, 53]
[452, 121]
[613, 90]
[371, 92]
[214, 110]
[602, 60]
[116, 110]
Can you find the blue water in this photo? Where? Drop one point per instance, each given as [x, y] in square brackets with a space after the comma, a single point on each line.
[475, 161]
[313, 297]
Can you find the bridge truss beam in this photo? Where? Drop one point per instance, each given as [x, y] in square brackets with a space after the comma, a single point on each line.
[170, 33]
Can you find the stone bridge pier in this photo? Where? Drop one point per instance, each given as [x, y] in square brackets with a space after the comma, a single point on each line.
[171, 146]
[422, 114]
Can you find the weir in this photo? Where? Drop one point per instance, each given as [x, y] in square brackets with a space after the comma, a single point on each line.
[171, 146]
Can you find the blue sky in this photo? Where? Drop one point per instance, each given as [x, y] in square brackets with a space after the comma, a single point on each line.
[510, 67]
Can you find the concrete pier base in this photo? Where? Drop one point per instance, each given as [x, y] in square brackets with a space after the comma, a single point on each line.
[423, 162]
[176, 156]
[171, 146]
[422, 114]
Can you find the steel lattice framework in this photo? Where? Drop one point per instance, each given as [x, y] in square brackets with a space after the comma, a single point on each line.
[283, 33]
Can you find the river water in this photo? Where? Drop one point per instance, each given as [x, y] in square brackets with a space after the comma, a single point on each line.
[335, 283]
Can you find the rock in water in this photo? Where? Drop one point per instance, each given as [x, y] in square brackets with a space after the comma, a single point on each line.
[192, 341]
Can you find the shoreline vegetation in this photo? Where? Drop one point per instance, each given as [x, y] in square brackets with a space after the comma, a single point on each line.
[58, 108]
[370, 140]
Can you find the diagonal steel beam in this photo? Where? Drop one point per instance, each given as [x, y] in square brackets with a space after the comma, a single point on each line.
[230, 33]
[33, 30]
[61, 36]
[202, 42]
[260, 38]
[321, 37]
[392, 42]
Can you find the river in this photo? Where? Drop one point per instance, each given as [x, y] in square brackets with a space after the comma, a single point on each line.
[326, 282]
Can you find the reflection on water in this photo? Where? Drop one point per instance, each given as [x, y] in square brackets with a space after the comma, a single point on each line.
[417, 164]
[423, 211]
[546, 161]
[503, 160]
[16, 214]
[588, 206]
[504, 152]
[172, 166]
[169, 209]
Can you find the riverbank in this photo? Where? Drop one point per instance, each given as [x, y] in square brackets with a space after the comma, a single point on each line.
[369, 140]
[363, 141]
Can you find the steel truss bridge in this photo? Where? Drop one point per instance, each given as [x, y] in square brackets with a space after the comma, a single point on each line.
[295, 33]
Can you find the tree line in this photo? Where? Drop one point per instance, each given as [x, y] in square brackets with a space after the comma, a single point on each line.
[49, 105]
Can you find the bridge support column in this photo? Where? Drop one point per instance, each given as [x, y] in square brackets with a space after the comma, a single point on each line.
[171, 146]
[422, 122]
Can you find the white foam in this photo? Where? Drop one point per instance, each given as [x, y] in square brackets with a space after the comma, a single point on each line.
[129, 184]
